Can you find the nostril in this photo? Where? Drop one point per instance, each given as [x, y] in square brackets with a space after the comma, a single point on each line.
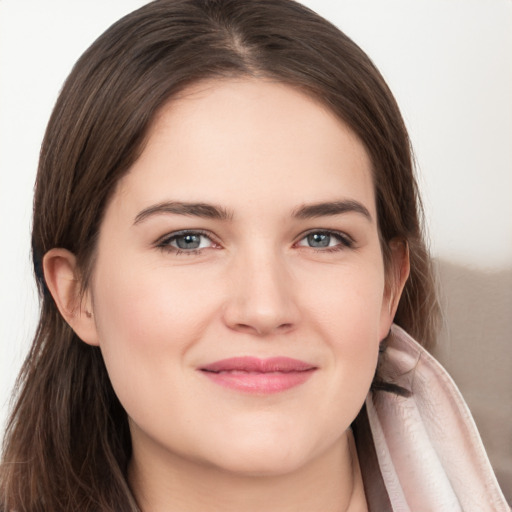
[261, 329]
[244, 327]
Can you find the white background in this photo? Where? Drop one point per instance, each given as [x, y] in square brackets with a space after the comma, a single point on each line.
[449, 63]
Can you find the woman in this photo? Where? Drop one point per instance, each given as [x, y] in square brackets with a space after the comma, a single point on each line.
[225, 228]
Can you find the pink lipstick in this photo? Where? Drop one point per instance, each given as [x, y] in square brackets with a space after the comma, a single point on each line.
[259, 376]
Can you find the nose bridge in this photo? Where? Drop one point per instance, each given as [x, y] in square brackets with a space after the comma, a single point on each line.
[261, 299]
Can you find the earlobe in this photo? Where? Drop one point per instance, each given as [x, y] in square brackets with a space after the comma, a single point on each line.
[61, 276]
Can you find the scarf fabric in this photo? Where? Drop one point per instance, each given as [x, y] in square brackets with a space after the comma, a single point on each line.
[422, 453]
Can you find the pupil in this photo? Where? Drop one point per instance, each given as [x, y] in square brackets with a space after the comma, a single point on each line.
[188, 241]
[319, 240]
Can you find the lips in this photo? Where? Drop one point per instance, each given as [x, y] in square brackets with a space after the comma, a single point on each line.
[261, 376]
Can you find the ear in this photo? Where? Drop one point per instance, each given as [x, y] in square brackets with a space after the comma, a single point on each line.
[62, 278]
[396, 276]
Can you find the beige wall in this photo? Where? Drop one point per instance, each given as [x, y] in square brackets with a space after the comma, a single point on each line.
[476, 348]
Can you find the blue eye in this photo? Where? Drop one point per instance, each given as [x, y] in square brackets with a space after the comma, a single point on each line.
[319, 240]
[326, 240]
[186, 241]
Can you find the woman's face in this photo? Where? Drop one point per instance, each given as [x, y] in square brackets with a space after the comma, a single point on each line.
[238, 292]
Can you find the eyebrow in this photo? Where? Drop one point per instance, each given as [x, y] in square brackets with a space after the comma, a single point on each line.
[325, 209]
[210, 211]
[203, 210]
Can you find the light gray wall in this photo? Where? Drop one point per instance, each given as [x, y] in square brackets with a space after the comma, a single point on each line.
[449, 65]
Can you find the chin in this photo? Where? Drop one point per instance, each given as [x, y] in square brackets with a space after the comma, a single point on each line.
[265, 457]
[263, 465]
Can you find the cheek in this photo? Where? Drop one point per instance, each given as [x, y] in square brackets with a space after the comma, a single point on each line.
[348, 306]
[348, 314]
[152, 307]
[146, 323]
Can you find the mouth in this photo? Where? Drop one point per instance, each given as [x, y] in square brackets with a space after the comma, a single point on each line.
[259, 376]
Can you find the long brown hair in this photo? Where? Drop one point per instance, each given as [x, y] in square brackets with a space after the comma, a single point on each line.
[67, 444]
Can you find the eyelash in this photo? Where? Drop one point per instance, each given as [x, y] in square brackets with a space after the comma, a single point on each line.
[165, 242]
[345, 241]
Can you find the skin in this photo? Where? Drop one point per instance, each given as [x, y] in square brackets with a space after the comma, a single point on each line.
[256, 287]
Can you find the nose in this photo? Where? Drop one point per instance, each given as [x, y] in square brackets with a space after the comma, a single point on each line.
[261, 299]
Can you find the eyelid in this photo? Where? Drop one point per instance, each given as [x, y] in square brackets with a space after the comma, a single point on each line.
[164, 242]
[345, 239]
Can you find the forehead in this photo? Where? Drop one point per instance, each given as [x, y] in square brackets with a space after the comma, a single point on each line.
[249, 139]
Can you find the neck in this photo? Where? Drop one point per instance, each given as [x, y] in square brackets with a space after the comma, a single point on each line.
[330, 483]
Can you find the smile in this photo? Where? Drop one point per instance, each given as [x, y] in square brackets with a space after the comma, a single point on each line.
[259, 376]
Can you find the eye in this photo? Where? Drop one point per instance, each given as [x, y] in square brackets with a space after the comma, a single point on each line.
[186, 242]
[330, 240]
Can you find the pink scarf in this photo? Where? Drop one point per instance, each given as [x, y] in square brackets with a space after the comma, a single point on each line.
[429, 452]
